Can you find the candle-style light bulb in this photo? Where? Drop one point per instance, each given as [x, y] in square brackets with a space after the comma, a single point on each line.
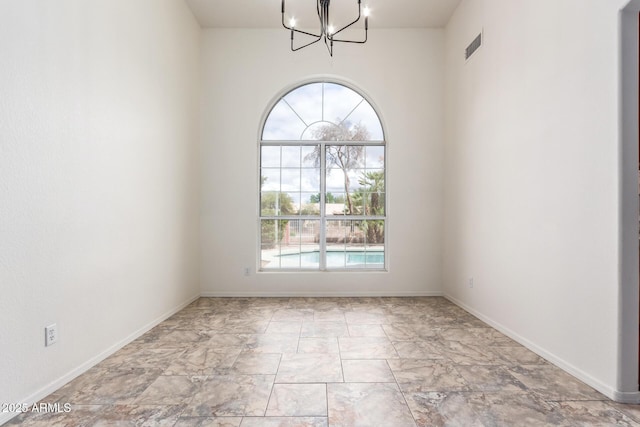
[330, 30]
[292, 22]
[366, 13]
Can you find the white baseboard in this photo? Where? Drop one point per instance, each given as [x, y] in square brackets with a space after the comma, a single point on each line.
[626, 397]
[363, 294]
[622, 397]
[55, 385]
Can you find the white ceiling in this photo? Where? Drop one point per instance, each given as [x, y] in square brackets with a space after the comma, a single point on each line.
[266, 13]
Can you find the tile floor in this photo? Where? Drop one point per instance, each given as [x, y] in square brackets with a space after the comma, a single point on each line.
[344, 362]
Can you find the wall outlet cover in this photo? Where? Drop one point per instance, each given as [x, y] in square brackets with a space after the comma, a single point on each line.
[50, 335]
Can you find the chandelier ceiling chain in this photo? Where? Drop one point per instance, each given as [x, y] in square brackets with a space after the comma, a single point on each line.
[327, 32]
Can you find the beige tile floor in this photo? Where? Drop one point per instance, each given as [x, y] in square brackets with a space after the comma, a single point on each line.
[344, 362]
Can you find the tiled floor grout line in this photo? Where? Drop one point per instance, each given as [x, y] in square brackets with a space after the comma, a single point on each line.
[457, 367]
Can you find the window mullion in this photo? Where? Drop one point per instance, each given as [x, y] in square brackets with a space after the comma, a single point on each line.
[323, 219]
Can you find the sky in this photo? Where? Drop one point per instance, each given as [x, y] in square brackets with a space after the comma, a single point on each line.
[299, 111]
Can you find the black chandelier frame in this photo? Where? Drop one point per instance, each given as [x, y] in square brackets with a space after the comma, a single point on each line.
[328, 36]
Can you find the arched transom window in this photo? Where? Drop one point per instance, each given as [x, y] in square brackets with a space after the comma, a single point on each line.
[322, 182]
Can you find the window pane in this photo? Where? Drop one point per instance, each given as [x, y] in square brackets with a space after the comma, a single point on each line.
[373, 187]
[344, 163]
[282, 124]
[306, 101]
[335, 204]
[310, 197]
[274, 203]
[345, 156]
[289, 203]
[322, 131]
[373, 178]
[374, 204]
[374, 157]
[290, 244]
[269, 243]
[309, 233]
[268, 203]
[310, 256]
[347, 245]
[339, 101]
[299, 248]
[336, 236]
[270, 179]
[368, 119]
[374, 234]
[291, 156]
[335, 180]
[355, 203]
[291, 179]
[355, 178]
[292, 206]
[336, 257]
[270, 156]
[310, 180]
[311, 156]
[308, 205]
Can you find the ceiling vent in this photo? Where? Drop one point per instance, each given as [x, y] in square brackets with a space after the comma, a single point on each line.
[473, 47]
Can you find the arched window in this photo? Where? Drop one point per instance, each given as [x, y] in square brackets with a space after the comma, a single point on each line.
[322, 182]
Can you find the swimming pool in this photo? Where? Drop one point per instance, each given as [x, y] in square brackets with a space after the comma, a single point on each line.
[335, 259]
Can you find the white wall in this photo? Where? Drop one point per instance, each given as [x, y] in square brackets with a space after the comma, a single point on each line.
[532, 179]
[98, 180]
[401, 71]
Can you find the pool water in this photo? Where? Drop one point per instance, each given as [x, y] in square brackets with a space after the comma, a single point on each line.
[335, 259]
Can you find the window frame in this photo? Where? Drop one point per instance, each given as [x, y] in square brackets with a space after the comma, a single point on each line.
[322, 217]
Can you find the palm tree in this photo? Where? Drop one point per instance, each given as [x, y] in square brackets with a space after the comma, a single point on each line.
[373, 183]
[373, 194]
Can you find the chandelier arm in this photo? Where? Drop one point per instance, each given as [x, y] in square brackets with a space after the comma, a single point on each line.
[366, 32]
[348, 25]
[283, 24]
[329, 46]
[295, 30]
[305, 45]
[352, 41]
[325, 18]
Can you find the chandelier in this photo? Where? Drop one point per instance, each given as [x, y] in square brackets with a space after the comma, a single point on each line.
[327, 32]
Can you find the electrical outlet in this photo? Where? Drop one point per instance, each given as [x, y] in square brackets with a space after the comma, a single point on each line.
[470, 282]
[50, 335]
[247, 271]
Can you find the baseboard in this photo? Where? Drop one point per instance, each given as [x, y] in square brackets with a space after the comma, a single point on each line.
[626, 397]
[622, 397]
[346, 294]
[55, 385]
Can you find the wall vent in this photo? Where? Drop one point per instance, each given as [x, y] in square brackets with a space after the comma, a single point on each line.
[475, 45]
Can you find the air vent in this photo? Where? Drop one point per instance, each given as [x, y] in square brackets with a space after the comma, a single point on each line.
[475, 45]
